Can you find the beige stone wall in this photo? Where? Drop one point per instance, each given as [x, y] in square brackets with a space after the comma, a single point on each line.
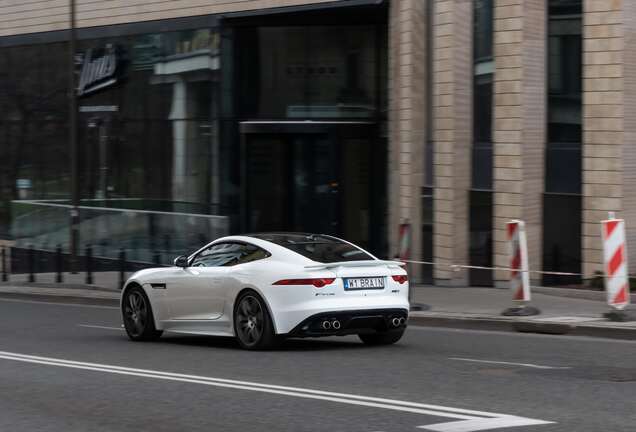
[407, 120]
[519, 125]
[628, 44]
[28, 16]
[603, 126]
[452, 135]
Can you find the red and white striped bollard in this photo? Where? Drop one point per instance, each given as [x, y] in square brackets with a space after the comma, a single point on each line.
[519, 275]
[615, 263]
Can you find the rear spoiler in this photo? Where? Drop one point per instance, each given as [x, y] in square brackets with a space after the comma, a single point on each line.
[362, 263]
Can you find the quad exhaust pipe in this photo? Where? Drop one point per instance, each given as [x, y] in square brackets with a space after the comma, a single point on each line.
[336, 325]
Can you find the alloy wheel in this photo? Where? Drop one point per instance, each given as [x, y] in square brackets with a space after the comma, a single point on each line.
[250, 320]
[136, 313]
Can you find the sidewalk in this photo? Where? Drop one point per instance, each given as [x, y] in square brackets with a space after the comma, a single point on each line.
[467, 308]
[73, 292]
[480, 308]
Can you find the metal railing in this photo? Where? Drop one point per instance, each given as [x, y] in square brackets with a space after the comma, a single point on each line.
[37, 265]
[44, 225]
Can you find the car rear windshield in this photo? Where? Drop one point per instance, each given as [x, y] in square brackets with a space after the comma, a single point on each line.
[319, 248]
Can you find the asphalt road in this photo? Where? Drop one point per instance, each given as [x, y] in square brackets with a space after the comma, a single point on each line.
[71, 368]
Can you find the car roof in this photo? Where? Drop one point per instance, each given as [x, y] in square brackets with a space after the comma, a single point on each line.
[271, 247]
[273, 243]
[270, 236]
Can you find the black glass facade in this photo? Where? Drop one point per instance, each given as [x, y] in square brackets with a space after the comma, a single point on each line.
[316, 72]
[148, 134]
[308, 105]
[33, 111]
[480, 211]
[168, 123]
[562, 199]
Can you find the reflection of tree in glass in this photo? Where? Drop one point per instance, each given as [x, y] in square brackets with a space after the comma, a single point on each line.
[33, 123]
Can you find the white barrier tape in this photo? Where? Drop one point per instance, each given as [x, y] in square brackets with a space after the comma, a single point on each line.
[458, 267]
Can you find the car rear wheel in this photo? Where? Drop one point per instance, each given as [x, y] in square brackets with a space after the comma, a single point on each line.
[139, 321]
[253, 325]
[382, 338]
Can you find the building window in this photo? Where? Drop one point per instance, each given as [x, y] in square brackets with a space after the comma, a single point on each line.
[428, 191]
[482, 132]
[326, 72]
[483, 30]
[148, 128]
[562, 200]
[480, 211]
[427, 234]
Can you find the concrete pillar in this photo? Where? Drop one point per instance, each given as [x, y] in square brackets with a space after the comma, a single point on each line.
[452, 135]
[606, 152]
[407, 120]
[179, 139]
[628, 46]
[519, 125]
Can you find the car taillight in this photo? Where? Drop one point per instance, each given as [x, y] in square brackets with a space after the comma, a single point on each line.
[400, 278]
[317, 282]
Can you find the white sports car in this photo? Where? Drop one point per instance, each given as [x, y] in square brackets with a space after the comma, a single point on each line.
[262, 288]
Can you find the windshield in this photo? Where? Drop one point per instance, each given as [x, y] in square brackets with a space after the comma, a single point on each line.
[316, 247]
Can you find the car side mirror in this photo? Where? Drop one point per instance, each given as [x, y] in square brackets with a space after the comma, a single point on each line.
[181, 261]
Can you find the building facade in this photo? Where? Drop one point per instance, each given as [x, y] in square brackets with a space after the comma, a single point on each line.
[412, 127]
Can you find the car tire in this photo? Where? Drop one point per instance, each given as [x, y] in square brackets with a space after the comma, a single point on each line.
[382, 338]
[253, 325]
[139, 320]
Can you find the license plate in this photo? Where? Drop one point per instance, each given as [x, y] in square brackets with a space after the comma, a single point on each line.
[364, 283]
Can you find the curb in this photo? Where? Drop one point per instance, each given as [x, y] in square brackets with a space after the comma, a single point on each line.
[524, 326]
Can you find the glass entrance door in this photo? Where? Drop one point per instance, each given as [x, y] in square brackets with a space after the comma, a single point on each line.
[328, 183]
[314, 185]
[292, 183]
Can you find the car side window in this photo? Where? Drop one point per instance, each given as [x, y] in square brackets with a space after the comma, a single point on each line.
[228, 254]
[252, 253]
[218, 255]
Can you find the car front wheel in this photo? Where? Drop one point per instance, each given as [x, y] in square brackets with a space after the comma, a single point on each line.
[139, 321]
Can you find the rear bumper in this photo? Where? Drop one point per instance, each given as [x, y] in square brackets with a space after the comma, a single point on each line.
[291, 306]
[350, 322]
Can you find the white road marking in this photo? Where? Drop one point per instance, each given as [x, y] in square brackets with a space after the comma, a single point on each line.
[481, 424]
[80, 305]
[528, 365]
[101, 327]
[463, 415]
